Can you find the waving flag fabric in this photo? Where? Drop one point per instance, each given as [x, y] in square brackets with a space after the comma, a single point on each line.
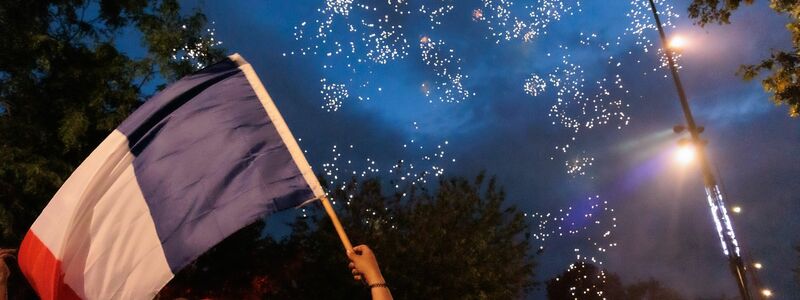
[205, 157]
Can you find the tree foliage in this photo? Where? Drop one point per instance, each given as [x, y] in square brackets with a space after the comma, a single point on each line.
[65, 84]
[458, 242]
[584, 280]
[782, 67]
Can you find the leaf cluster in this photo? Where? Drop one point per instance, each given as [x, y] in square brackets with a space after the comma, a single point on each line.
[65, 84]
[782, 67]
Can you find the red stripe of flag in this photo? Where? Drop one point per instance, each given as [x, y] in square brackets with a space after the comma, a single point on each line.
[43, 270]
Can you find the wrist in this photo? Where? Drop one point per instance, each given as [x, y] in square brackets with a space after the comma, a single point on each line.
[374, 277]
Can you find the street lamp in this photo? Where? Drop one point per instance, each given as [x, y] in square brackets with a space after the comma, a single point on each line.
[685, 155]
[719, 211]
[677, 42]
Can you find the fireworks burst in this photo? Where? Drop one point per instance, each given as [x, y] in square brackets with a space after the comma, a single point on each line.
[447, 68]
[418, 166]
[435, 15]
[359, 37]
[642, 26]
[333, 94]
[505, 25]
[593, 225]
[589, 229]
[580, 106]
[197, 53]
[534, 85]
[577, 167]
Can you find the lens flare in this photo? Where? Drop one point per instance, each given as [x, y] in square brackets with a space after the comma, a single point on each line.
[678, 42]
[766, 292]
[685, 155]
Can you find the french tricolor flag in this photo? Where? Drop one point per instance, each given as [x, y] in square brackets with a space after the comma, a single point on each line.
[205, 157]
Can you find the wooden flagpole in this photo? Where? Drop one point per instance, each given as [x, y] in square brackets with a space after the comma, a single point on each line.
[336, 224]
[291, 143]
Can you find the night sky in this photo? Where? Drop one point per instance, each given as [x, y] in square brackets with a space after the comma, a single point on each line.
[663, 225]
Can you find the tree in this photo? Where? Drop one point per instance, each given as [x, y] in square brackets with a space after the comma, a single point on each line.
[782, 68]
[584, 280]
[243, 266]
[455, 243]
[64, 85]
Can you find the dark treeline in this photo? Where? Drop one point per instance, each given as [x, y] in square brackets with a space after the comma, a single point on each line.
[457, 242]
[64, 85]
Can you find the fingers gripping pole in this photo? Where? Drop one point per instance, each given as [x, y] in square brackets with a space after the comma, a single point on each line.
[336, 224]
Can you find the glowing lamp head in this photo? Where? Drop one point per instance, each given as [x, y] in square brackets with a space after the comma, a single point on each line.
[766, 292]
[686, 154]
[758, 265]
[737, 209]
[677, 43]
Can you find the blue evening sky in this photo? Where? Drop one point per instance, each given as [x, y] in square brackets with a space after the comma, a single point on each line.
[663, 225]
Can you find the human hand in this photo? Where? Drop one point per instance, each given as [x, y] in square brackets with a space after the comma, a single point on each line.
[364, 265]
[4, 271]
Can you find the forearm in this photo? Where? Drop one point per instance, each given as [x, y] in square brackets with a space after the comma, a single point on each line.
[378, 292]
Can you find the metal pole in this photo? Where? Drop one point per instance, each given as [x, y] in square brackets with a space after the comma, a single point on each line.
[714, 196]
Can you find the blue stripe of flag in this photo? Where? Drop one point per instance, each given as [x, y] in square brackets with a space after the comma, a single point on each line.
[209, 161]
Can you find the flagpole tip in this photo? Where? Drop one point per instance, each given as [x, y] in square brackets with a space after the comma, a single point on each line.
[238, 59]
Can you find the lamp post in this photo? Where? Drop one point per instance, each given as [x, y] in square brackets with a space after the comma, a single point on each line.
[730, 246]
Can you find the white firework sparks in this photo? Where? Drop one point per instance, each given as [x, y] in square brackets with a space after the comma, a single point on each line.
[593, 226]
[333, 94]
[358, 37]
[534, 85]
[447, 68]
[196, 53]
[418, 166]
[505, 25]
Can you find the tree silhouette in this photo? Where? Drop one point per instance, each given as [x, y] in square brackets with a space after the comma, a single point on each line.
[782, 67]
[584, 280]
[457, 242]
[64, 86]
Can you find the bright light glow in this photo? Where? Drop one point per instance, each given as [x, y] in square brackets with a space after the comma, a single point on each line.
[686, 154]
[758, 265]
[737, 209]
[677, 43]
[766, 292]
